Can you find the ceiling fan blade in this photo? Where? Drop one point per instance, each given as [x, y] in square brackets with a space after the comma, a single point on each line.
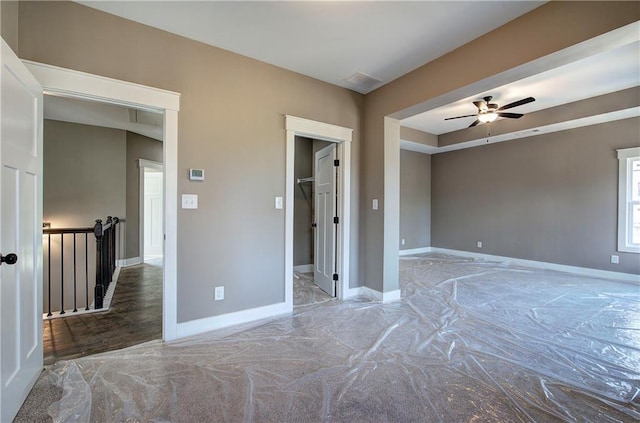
[458, 117]
[510, 115]
[474, 123]
[517, 103]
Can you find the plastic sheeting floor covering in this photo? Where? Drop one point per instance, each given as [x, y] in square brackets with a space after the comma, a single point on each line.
[470, 341]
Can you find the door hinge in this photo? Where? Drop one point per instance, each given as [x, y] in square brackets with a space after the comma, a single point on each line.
[336, 220]
[335, 276]
[336, 162]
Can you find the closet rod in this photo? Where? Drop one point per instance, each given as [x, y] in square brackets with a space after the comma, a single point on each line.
[309, 179]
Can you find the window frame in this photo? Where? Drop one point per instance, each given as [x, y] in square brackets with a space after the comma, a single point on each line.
[625, 157]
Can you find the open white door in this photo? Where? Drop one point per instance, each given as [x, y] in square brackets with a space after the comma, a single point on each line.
[325, 211]
[21, 359]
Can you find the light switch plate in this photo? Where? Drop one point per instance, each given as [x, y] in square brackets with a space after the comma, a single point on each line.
[189, 201]
[278, 203]
[374, 204]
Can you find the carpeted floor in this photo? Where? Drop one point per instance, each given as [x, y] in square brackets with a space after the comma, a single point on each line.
[469, 341]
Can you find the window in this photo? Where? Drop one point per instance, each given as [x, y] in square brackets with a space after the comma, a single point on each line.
[629, 200]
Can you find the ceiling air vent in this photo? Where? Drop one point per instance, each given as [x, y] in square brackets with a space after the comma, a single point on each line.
[363, 82]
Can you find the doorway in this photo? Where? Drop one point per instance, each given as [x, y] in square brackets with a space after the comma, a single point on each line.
[70, 83]
[85, 144]
[340, 137]
[151, 216]
[314, 229]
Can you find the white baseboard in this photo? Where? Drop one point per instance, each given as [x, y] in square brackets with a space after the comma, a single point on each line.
[112, 287]
[303, 268]
[106, 301]
[207, 324]
[421, 250]
[353, 292]
[373, 295]
[586, 271]
[129, 262]
[390, 296]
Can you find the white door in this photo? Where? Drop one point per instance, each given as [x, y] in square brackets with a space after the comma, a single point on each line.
[21, 358]
[153, 233]
[325, 211]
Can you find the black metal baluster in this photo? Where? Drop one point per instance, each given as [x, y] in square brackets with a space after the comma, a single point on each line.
[86, 270]
[75, 308]
[62, 273]
[49, 271]
[107, 251]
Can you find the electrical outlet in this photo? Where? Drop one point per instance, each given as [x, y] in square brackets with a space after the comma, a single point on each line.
[402, 242]
[219, 293]
[615, 259]
[479, 244]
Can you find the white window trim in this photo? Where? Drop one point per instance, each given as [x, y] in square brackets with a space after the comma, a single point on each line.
[624, 158]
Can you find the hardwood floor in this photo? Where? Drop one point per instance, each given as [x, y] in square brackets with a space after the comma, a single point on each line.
[135, 317]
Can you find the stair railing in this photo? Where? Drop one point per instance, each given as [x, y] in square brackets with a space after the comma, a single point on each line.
[68, 280]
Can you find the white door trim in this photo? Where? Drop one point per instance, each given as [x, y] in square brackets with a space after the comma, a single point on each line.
[142, 164]
[71, 83]
[325, 132]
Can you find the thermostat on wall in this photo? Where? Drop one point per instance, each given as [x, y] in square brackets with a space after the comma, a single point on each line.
[196, 174]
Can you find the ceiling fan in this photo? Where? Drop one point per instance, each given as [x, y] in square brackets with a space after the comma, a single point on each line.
[488, 112]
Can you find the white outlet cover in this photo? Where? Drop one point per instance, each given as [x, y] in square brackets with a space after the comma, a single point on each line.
[479, 244]
[615, 259]
[374, 204]
[219, 293]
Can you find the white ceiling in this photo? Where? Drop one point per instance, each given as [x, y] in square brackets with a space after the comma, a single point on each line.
[329, 41]
[599, 74]
[95, 113]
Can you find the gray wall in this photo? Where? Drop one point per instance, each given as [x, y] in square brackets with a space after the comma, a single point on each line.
[231, 125]
[138, 147]
[551, 198]
[415, 200]
[9, 23]
[84, 173]
[565, 24]
[303, 200]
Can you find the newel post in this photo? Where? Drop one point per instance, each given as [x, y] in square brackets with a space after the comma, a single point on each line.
[99, 288]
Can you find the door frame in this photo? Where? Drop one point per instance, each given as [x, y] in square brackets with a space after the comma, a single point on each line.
[142, 164]
[342, 136]
[84, 86]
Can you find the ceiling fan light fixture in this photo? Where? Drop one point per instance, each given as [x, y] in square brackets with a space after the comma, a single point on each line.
[487, 117]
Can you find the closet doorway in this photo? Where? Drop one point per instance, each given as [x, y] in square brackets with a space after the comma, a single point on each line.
[340, 137]
[315, 234]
